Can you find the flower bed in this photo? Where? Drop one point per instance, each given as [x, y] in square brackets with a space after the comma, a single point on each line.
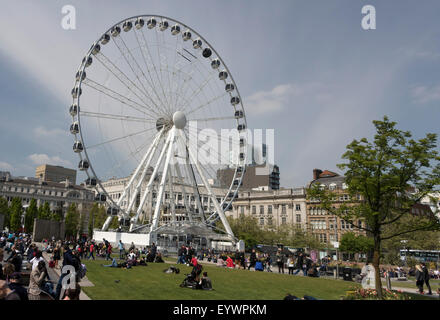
[371, 294]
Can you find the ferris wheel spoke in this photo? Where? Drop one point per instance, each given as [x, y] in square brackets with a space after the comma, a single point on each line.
[161, 81]
[199, 90]
[113, 116]
[122, 77]
[213, 119]
[127, 159]
[129, 57]
[117, 96]
[120, 138]
[206, 103]
[144, 51]
[163, 59]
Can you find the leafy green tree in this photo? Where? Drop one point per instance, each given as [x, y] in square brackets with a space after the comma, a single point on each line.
[71, 221]
[31, 214]
[114, 224]
[57, 215]
[16, 213]
[92, 215]
[4, 209]
[44, 212]
[391, 174]
[352, 243]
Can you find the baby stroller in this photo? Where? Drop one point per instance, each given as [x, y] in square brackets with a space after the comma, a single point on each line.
[190, 279]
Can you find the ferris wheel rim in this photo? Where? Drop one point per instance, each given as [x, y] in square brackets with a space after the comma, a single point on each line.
[78, 83]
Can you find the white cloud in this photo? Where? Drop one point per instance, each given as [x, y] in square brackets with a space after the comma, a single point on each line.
[5, 166]
[42, 132]
[39, 159]
[424, 94]
[285, 95]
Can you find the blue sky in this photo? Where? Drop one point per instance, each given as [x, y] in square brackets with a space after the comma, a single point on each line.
[304, 68]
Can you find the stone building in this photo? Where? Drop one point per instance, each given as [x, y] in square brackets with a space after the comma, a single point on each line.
[47, 172]
[58, 195]
[272, 207]
[269, 178]
[327, 227]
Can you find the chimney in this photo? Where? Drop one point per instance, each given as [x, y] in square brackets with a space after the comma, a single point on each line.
[316, 173]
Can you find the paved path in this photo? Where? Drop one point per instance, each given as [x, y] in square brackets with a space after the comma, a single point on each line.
[55, 274]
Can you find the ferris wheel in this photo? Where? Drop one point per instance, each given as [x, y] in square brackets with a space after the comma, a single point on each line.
[146, 95]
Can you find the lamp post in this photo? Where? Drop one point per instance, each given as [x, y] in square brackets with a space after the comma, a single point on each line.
[336, 246]
[404, 242]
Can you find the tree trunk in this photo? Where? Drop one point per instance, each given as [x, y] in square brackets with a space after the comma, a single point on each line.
[376, 263]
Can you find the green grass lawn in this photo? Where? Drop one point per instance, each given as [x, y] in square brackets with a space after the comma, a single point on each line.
[143, 283]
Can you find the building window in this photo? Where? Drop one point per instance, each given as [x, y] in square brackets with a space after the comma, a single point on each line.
[242, 210]
[269, 221]
[298, 207]
[261, 209]
[283, 209]
[254, 209]
[298, 218]
[283, 220]
[261, 221]
[269, 209]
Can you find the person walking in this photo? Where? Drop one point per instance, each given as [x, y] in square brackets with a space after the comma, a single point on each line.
[92, 248]
[109, 252]
[252, 259]
[299, 263]
[420, 278]
[121, 250]
[56, 256]
[280, 261]
[291, 264]
[426, 277]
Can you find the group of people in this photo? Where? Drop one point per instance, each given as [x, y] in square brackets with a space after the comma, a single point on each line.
[133, 257]
[23, 254]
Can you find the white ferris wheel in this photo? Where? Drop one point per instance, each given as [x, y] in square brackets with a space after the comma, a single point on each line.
[144, 93]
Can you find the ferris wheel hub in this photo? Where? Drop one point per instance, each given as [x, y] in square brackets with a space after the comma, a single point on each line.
[179, 119]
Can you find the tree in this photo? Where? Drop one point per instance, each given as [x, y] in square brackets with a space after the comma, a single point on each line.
[44, 212]
[16, 213]
[31, 214]
[352, 243]
[57, 215]
[97, 217]
[390, 174]
[71, 221]
[4, 209]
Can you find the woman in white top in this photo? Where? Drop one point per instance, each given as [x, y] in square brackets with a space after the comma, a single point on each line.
[35, 260]
[291, 264]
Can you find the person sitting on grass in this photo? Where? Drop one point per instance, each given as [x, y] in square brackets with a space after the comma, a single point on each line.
[205, 282]
[114, 264]
[158, 258]
[230, 263]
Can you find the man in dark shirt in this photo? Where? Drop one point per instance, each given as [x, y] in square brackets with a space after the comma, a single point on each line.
[6, 293]
[16, 286]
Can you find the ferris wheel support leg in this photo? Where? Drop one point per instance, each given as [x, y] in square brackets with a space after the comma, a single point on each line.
[213, 197]
[185, 200]
[194, 184]
[150, 182]
[152, 152]
[155, 221]
[136, 172]
[170, 186]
